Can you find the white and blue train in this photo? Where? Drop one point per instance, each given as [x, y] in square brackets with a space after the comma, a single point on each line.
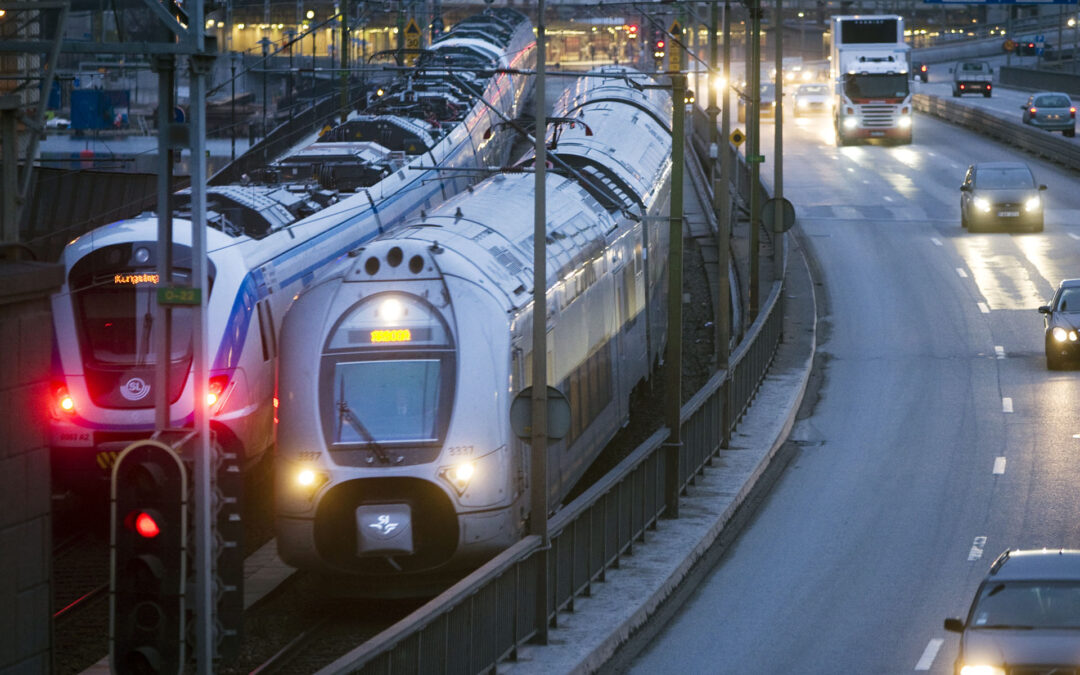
[267, 240]
[395, 466]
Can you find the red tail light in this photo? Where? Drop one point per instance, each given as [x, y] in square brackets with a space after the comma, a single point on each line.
[61, 397]
[961, 86]
[1072, 112]
[277, 403]
[216, 389]
[922, 68]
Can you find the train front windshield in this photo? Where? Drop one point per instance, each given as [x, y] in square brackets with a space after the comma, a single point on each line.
[387, 375]
[118, 326]
[387, 401]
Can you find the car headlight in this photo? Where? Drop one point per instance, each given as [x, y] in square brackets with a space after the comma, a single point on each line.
[1033, 204]
[982, 204]
[850, 122]
[802, 103]
[1060, 334]
[905, 122]
[982, 670]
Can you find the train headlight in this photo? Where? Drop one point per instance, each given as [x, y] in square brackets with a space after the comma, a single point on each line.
[391, 310]
[478, 481]
[982, 204]
[1033, 204]
[459, 475]
[309, 479]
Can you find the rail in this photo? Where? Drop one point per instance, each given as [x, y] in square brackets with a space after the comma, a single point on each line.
[486, 616]
[1024, 137]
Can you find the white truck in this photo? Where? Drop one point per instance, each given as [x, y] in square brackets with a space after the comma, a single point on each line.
[868, 64]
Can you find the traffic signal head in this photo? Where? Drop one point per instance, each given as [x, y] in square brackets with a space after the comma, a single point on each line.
[149, 560]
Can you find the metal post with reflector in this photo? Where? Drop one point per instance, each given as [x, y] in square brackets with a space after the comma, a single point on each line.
[148, 563]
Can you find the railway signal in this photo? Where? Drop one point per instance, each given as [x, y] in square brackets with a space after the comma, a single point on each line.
[148, 564]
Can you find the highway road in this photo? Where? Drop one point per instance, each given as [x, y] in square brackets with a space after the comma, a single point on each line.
[937, 438]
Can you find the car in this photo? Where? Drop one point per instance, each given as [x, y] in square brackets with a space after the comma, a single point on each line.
[1052, 111]
[972, 77]
[768, 102]
[812, 98]
[1025, 617]
[1003, 194]
[1061, 321]
[920, 70]
[57, 123]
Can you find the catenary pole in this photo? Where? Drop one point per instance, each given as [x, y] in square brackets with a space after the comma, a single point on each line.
[778, 151]
[538, 466]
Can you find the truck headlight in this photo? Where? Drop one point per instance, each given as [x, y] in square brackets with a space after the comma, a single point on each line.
[982, 670]
[850, 122]
[982, 204]
[905, 122]
[1033, 204]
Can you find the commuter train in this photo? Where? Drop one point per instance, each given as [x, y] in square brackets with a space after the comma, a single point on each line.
[267, 239]
[395, 467]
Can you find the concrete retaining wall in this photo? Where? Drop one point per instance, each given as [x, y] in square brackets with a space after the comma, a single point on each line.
[25, 504]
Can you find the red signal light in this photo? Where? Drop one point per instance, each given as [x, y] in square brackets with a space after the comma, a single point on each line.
[659, 44]
[1033, 111]
[146, 526]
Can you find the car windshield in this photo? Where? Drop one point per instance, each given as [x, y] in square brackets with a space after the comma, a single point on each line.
[876, 86]
[1027, 604]
[1069, 300]
[975, 67]
[1052, 102]
[813, 89]
[768, 91]
[996, 179]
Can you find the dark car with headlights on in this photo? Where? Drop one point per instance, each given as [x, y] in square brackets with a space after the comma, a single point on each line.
[1001, 194]
[1062, 321]
[1050, 110]
[1025, 618]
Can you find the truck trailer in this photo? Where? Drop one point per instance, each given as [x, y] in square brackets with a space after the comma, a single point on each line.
[869, 63]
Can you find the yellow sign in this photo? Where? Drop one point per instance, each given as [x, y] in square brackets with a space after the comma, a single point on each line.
[676, 46]
[412, 35]
[398, 335]
[737, 137]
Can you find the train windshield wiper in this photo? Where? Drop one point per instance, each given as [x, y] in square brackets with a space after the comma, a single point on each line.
[143, 348]
[346, 413]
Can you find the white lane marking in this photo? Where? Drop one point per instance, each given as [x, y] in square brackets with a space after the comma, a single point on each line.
[1074, 235]
[1006, 404]
[999, 465]
[984, 308]
[937, 242]
[888, 198]
[976, 549]
[961, 272]
[999, 351]
[929, 654]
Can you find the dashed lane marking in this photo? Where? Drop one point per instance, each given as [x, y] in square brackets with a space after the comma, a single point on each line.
[1006, 404]
[929, 654]
[1074, 235]
[937, 242]
[984, 308]
[999, 351]
[976, 549]
[961, 272]
[999, 466]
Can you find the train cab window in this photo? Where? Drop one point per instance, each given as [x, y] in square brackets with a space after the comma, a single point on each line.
[387, 374]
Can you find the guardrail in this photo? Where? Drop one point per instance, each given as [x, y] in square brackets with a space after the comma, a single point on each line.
[482, 619]
[1022, 136]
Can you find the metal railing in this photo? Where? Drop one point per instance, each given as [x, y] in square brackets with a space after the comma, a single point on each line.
[1024, 137]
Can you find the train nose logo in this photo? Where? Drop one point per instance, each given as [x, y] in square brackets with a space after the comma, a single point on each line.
[384, 526]
[135, 389]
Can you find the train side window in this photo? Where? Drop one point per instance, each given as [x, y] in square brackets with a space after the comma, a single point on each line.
[273, 330]
[262, 330]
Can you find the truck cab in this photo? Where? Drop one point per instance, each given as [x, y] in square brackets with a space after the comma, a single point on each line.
[972, 77]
